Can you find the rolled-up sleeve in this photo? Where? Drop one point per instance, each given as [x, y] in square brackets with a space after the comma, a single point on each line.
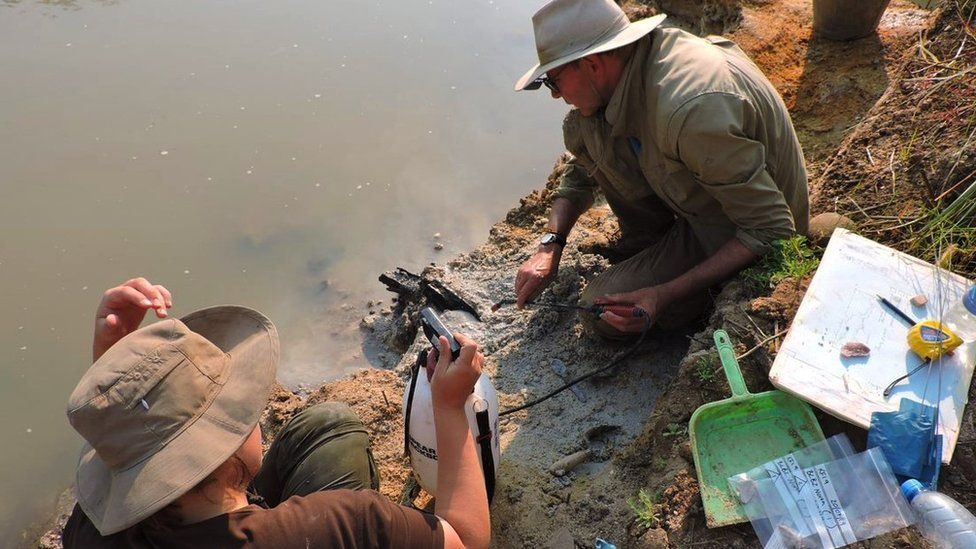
[710, 137]
[576, 183]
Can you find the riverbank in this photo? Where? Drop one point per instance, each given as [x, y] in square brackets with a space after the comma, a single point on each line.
[845, 98]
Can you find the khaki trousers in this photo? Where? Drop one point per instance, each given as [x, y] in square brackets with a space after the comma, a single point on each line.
[664, 246]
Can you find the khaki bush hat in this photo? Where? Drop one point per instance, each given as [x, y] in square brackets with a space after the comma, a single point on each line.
[567, 30]
[165, 406]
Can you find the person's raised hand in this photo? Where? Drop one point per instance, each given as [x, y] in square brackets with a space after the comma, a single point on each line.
[453, 382]
[536, 274]
[651, 300]
[123, 308]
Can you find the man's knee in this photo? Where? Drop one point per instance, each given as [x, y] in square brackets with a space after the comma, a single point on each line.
[322, 417]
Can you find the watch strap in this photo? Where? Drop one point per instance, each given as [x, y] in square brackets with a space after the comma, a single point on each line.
[554, 238]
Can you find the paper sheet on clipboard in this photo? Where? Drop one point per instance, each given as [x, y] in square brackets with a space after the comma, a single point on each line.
[841, 305]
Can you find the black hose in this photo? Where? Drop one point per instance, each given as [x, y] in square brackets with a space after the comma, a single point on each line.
[614, 362]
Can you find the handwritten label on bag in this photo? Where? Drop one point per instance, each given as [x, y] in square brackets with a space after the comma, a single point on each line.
[812, 503]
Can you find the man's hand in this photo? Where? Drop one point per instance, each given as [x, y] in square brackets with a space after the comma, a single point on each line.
[651, 300]
[123, 308]
[453, 382]
[537, 273]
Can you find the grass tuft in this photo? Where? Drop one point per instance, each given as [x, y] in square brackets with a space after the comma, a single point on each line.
[647, 507]
[791, 258]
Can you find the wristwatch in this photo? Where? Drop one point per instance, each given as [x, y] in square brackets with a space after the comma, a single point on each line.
[553, 238]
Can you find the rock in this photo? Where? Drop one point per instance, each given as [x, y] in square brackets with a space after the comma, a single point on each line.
[919, 300]
[655, 538]
[570, 462]
[823, 225]
[437, 235]
[438, 246]
[853, 349]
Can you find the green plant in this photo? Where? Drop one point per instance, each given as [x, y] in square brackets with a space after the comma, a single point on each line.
[790, 258]
[705, 368]
[676, 430]
[647, 507]
[950, 228]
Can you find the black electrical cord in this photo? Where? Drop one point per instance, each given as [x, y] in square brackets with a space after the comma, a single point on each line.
[614, 362]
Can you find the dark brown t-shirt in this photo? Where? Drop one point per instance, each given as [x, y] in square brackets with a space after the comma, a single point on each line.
[334, 518]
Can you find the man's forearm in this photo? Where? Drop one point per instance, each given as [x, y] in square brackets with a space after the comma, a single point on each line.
[461, 498]
[563, 216]
[731, 258]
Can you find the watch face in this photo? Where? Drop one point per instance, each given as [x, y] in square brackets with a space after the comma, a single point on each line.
[552, 238]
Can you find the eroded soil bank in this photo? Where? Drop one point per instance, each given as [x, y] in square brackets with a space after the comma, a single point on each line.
[845, 98]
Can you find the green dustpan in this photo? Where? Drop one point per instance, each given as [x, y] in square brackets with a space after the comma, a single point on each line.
[734, 435]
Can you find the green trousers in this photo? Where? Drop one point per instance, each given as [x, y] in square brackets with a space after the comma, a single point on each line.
[324, 447]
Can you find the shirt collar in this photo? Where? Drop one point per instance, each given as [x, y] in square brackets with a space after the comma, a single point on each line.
[622, 112]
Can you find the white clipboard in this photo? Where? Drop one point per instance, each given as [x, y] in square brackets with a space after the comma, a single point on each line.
[841, 305]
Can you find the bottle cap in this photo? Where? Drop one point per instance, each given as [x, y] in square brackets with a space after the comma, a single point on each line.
[911, 488]
[969, 300]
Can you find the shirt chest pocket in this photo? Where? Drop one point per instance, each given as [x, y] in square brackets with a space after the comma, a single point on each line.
[620, 167]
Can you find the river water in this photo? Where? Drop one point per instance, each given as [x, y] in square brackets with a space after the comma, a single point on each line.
[279, 155]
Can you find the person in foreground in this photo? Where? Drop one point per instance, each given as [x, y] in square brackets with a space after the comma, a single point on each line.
[691, 145]
[170, 414]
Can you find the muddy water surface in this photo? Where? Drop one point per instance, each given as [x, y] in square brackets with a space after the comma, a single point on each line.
[279, 155]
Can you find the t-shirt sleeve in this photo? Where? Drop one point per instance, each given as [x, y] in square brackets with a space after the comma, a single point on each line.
[399, 526]
[337, 519]
[708, 136]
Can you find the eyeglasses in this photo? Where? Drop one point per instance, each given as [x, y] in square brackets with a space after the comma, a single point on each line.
[548, 81]
[543, 80]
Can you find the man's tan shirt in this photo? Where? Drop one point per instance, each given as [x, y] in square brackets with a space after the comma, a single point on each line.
[696, 123]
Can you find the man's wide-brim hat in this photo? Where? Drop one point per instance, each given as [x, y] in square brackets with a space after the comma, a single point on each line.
[165, 406]
[567, 30]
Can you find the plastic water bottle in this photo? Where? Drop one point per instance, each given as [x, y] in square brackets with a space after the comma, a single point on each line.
[961, 317]
[942, 520]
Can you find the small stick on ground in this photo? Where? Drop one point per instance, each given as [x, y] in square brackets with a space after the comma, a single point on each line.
[761, 344]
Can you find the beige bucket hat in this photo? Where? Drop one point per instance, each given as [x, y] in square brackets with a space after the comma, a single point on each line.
[165, 406]
[567, 30]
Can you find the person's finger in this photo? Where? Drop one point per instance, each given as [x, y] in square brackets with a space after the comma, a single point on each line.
[167, 295]
[521, 297]
[621, 323]
[470, 359]
[148, 290]
[431, 363]
[128, 296]
[521, 279]
[443, 358]
[533, 289]
[112, 321]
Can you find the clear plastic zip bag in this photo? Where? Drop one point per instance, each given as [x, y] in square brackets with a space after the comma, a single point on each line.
[823, 496]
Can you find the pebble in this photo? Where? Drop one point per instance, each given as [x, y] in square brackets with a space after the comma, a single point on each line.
[438, 246]
[919, 300]
[853, 349]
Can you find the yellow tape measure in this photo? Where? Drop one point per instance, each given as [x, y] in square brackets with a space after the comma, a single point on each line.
[930, 339]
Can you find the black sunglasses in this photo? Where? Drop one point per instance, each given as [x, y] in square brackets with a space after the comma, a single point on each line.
[542, 80]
